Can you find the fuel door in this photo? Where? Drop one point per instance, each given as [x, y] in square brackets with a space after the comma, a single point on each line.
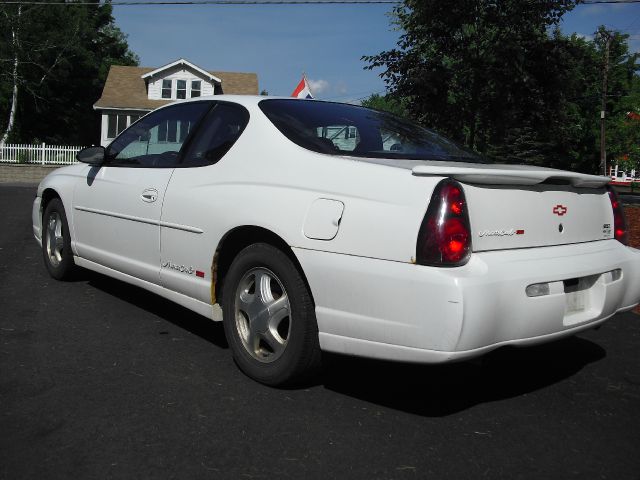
[323, 219]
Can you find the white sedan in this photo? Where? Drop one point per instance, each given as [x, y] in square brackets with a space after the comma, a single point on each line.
[307, 226]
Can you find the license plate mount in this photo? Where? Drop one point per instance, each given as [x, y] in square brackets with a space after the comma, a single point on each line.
[576, 301]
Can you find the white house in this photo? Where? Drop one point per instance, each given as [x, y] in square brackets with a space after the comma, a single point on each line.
[131, 92]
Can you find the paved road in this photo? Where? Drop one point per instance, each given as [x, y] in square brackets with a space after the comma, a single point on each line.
[99, 379]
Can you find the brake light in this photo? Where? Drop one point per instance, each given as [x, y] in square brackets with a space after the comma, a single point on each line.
[444, 239]
[620, 231]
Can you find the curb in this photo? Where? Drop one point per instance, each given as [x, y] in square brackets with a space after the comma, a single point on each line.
[24, 173]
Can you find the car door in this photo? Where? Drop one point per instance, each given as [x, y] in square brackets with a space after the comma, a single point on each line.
[190, 228]
[117, 207]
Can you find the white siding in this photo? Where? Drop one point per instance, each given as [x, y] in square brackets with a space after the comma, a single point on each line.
[154, 88]
[207, 88]
[104, 141]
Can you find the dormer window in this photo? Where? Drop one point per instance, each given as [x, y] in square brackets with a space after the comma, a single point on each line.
[180, 92]
[166, 89]
[196, 87]
[180, 80]
[181, 89]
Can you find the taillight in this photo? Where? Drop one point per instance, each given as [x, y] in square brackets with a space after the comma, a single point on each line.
[444, 239]
[620, 231]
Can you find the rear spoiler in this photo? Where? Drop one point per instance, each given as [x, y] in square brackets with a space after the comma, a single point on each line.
[511, 175]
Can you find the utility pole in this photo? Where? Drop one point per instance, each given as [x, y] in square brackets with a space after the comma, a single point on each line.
[603, 109]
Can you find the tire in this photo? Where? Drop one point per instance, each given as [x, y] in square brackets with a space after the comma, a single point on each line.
[56, 241]
[277, 345]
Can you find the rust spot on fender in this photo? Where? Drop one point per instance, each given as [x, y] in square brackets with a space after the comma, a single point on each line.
[214, 276]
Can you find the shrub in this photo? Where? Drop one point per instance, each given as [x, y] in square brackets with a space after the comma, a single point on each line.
[23, 157]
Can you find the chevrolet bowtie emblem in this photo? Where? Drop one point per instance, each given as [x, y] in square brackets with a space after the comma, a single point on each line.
[560, 210]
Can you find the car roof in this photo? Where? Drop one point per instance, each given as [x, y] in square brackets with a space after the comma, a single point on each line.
[245, 100]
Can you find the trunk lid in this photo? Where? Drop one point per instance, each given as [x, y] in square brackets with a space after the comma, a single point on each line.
[516, 206]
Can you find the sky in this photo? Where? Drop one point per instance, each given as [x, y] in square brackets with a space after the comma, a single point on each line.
[280, 42]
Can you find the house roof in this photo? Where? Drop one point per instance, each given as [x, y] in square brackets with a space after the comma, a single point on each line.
[125, 87]
[186, 63]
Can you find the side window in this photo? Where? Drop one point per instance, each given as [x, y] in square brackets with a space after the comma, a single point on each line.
[156, 139]
[219, 131]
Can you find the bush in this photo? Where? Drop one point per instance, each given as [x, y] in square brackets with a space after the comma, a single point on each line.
[23, 157]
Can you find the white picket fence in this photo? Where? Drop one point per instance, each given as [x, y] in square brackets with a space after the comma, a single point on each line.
[38, 154]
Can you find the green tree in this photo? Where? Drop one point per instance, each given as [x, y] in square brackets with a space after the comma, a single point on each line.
[457, 59]
[59, 58]
[387, 103]
[502, 79]
[623, 103]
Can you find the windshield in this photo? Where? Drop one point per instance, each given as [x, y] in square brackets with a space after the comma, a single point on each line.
[342, 129]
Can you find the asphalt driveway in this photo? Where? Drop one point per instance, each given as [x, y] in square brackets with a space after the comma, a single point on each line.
[99, 379]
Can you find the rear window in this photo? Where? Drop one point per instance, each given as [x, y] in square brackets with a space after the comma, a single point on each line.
[342, 129]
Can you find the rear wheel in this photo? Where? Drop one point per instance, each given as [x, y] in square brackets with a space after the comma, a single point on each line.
[269, 317]
[56, 242]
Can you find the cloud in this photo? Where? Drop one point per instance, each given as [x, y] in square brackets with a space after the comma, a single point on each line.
[584, 36]
[588, 10]
[318, 86]
[341, 88]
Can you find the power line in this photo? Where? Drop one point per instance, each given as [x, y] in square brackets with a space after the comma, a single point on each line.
[591, 2]
[213, 2]
[126, 3]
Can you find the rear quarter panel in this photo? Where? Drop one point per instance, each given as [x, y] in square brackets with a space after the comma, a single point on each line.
[267, 181]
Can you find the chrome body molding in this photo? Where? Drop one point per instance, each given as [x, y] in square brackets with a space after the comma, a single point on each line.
[176, 226]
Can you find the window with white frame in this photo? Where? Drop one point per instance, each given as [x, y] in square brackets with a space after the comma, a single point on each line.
[168, 131]
[117, 123]
[172, 131]
[196, 88]
[181, 89]
[166, 88]
[112, 126]
[185, 128]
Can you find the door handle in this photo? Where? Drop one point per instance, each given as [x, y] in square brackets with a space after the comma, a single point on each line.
[149, 195]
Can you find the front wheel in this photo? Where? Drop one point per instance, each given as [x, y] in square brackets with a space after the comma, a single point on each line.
[56, 241]
[269, 317]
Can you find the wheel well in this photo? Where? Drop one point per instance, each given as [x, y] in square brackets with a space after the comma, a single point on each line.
[48, 195]
[236, 240]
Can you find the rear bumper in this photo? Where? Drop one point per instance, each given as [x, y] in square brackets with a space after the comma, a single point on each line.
[407, 312]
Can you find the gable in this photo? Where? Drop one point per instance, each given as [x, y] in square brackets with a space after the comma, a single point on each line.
[184, 64]
[126, 89]
[180, 77]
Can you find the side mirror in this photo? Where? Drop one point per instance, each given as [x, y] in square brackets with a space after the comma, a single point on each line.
[91, 155]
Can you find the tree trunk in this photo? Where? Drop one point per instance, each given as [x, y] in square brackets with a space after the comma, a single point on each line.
[14, 77]
[473, 127]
